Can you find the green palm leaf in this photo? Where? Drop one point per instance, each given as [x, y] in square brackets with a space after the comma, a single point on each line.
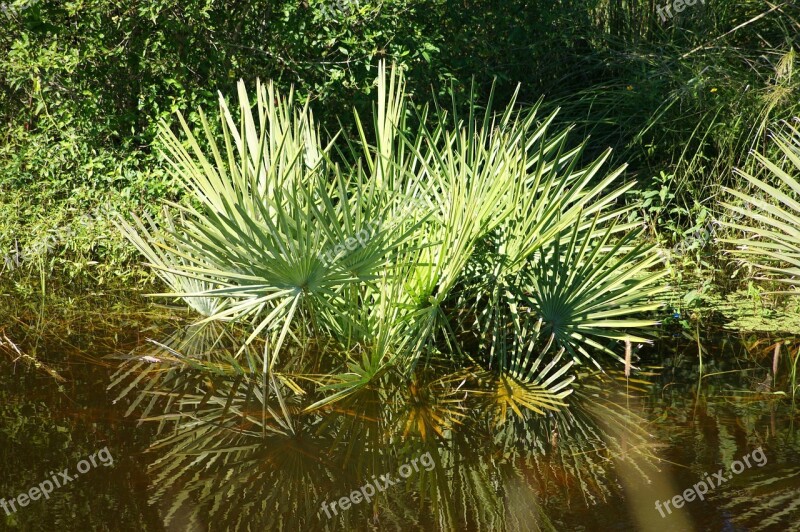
[589, 291]
[772, 241]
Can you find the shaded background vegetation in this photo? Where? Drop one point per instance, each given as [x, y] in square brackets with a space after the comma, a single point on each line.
[84, 83]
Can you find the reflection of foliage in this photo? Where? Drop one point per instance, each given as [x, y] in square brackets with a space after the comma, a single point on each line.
[575, 447]
[768, 501]
[47, 425]
[228, 458]
[709, 427]
[236, 451]
[433, 407]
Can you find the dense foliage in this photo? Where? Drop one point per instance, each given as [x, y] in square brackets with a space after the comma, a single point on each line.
[83, 85]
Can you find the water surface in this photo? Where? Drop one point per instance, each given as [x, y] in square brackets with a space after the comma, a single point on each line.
[199, 442]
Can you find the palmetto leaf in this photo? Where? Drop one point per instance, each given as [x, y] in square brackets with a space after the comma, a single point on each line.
[773, 234]
[151, 243]
[586, 293]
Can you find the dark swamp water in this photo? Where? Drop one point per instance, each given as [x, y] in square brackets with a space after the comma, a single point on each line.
[169, 433]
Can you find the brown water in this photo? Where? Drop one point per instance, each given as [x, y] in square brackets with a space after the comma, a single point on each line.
[213, 454]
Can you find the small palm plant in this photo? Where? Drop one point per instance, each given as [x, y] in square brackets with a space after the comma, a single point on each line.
[772, 236]
[477, 240]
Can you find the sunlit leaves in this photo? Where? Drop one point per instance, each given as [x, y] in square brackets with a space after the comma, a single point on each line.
[772, 236]
[387, 247]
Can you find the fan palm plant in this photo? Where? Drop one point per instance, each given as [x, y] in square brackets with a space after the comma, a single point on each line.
[772, 238]
[474, 239]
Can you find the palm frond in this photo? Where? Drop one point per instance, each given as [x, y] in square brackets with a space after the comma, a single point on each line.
[772, 236]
